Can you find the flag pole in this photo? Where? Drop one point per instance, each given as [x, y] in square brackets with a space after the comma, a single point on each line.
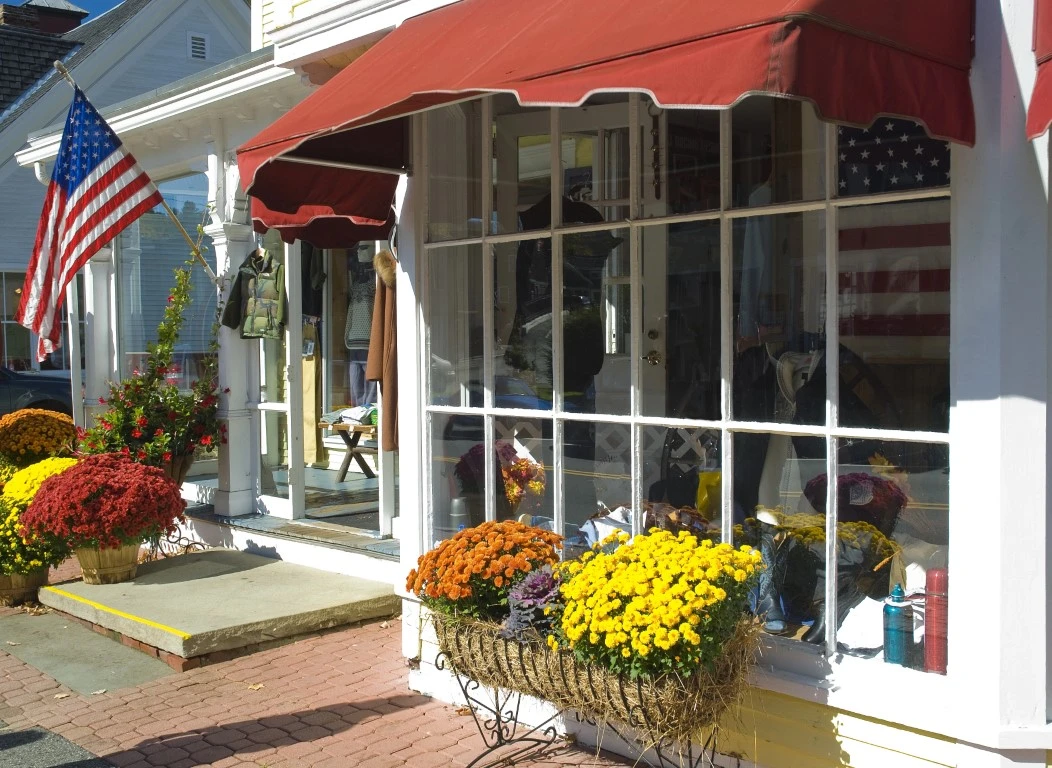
[194, 248]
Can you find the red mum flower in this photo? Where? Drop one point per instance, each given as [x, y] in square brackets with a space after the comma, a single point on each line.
[206, 440]
[136, 433]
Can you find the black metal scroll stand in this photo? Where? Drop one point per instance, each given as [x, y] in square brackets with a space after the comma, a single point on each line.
[498, 722]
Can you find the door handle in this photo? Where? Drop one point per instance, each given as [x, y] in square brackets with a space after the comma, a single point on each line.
[653, 357]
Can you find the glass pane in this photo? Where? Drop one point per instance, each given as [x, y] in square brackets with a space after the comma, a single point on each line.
[693, 161]
[150, 248]
[680, 373]
[17, 352]
[454, 143]
[455, 294]
[352, 288]
[597, 466]
[596, 373]
[779, 508]
[13, 282]
[272, 370]
[524, 451]
[892, 155]
[523, 317]
[682, 479]
[893, 513]
[779, 310]
[522, 166]
[777, 152]
[894, 308]
[274, 454]
[459, 483]
[594, 151]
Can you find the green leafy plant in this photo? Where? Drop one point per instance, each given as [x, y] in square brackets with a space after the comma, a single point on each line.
[150, 419]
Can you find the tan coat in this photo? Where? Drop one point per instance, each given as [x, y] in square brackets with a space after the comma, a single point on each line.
[382, 365]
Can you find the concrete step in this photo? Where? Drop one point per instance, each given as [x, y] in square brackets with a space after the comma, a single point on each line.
[221, 600]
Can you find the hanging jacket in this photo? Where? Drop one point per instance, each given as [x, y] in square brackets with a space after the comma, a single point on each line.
[256, 304]
[382, 365]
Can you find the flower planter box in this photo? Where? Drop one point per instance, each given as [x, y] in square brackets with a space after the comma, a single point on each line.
[17, 588]
[667, 710]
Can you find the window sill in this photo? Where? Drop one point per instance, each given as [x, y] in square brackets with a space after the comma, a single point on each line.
[866, 687]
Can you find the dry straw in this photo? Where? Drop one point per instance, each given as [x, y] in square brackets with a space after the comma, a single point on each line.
[665, 709]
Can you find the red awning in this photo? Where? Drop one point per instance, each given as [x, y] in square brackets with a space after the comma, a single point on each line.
[1039, 114]
[853, 60]
[319, 226]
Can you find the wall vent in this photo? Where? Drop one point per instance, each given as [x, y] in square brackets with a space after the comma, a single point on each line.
[197, 46]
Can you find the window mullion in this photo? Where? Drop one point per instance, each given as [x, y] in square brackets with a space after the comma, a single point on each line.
[726, 333]
[832, 332]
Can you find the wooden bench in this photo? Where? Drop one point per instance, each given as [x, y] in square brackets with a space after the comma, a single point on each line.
[352, 434]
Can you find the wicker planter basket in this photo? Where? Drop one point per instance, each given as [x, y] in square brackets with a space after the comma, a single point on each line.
[17, 588]
[664, 709]
[108, 566]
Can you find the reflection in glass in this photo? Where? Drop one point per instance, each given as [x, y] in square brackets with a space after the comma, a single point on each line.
[894, 314]
[459, 483]
[522, 166]
[455, 293]
[274, 454]
[682, 479]
[780, 508]
[595, 160]
[893, 518]
[595, 316]
[454, 134]
[779, 311]
[150, 248]
[693, 149]
[777, 151]
[681, 321]
[597, 471]
[523, 318]
[524, 453]
[892, 155]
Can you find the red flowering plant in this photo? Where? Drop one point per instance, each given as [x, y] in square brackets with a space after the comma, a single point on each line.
[105, 501]
[150, 419]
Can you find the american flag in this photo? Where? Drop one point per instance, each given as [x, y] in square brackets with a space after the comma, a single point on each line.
[890, 156]
[894, 258]
[97, 189]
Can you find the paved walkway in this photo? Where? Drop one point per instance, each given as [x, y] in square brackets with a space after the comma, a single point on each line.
[329, 701]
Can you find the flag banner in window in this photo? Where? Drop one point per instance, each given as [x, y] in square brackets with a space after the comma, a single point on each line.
[96, 190]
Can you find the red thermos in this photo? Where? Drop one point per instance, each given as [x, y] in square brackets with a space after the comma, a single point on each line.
[935, 621]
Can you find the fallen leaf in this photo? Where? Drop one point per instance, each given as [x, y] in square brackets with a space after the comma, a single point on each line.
[9, 642]
[98, 692]
[463, 710]
[255, 687]
[61, 695]
[384, 624]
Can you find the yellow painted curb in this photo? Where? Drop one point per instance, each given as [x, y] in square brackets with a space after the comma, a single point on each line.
[99, 607]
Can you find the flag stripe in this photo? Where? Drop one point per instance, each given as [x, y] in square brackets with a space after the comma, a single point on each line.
[896, 325]
[896, 281]
[902, 236]
[38, 264]
[87, 196]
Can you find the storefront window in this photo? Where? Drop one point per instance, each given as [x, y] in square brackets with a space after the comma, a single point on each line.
[149, 250]
[455, 177]
[689, 367]
[779, 328]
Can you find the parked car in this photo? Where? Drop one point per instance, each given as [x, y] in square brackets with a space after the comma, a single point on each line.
[34, 389]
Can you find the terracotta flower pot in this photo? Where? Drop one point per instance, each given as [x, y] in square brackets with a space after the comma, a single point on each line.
[19, 587]
[178, 467]
[108, 566]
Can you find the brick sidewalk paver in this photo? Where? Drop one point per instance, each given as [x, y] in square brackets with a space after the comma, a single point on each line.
[330, 701]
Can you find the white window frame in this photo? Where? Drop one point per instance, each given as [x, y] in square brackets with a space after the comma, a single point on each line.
[814, 672]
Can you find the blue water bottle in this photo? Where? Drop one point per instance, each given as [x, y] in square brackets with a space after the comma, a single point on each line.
[898, 627]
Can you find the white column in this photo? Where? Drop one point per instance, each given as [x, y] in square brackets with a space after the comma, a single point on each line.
[236, 494]
[100, 332]
[1000, 386]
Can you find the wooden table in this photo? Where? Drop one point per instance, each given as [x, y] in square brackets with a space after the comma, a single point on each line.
[351, 434]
